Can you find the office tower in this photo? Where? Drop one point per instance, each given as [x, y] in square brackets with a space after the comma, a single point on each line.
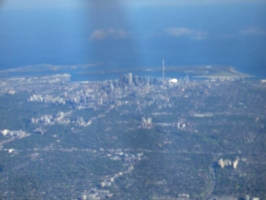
[130, 78]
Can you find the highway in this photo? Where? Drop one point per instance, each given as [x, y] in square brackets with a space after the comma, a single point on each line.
[212, 183]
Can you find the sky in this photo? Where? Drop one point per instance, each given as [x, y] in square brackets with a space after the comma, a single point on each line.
[133, 33]
[70, 4]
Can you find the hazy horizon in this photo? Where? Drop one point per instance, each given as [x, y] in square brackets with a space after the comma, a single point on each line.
[134, 34]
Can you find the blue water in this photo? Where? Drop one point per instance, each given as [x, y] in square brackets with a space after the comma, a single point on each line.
[63, 38]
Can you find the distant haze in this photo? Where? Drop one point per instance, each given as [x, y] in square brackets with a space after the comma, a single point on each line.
[134, 33]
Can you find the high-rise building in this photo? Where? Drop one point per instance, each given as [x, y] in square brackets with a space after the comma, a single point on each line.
[235, 163]
[178, 125]
[130, 78]
[112, 86]
[221, 163]
[149, 121]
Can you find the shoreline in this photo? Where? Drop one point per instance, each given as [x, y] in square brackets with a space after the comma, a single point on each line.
[197, 72]
[224, 77]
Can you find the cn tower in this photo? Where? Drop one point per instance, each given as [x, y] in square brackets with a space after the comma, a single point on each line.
[163, 68]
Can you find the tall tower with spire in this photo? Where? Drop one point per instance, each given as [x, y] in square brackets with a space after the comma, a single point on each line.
[163, 69]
